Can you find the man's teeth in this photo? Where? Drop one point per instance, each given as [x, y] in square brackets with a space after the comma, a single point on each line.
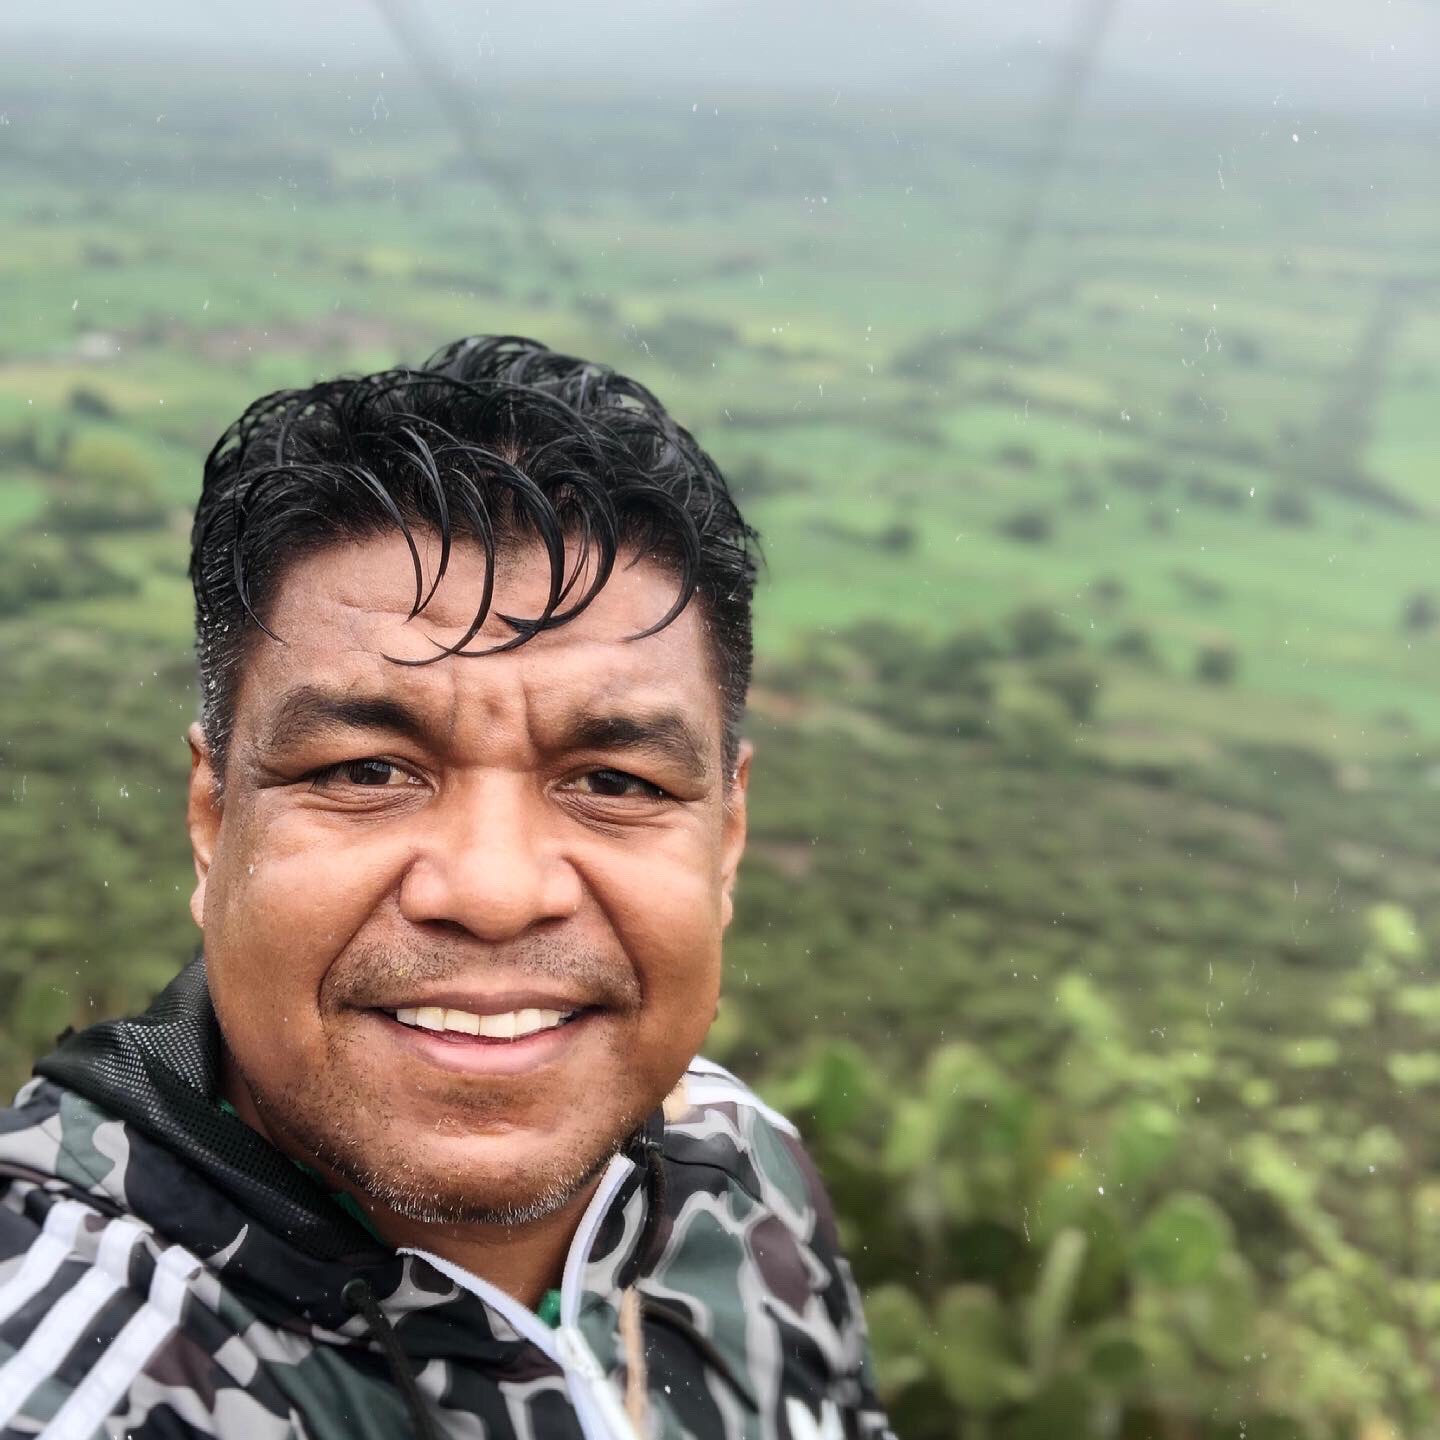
[512, 1025]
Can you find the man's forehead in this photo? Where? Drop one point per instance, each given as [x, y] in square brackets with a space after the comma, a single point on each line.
[343, 615]
[369, 582]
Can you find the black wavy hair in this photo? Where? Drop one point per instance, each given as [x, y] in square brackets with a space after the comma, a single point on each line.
[494, 440]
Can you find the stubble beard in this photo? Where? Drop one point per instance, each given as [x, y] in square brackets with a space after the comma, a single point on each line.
[382, 1171]
[393, 1180]
[351, 1130]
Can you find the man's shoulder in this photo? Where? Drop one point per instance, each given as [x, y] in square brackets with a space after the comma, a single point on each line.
[752, 1250]
[99, 1325]
[56, 1139]
[88, 1293]
[717, 1123]
[707, 1085]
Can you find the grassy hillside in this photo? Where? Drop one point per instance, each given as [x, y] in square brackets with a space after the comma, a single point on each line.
[1088, 920]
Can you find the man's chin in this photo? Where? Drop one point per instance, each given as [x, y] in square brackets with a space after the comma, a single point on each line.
[447, 1160]
[421, 1174]
[470, 1191]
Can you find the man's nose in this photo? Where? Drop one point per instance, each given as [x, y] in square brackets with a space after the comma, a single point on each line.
[491, 863]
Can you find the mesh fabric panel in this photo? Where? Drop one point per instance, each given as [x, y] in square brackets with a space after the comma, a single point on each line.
[160, 1072]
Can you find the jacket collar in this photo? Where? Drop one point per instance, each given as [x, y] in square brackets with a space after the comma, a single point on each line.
[160, 1072]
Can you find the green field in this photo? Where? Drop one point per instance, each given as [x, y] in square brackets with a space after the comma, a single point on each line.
[1089, 920]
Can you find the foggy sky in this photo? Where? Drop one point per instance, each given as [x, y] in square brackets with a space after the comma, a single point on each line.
[1319, 54]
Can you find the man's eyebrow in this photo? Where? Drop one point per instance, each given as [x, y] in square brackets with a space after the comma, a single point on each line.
[665, 732]
[311, 710]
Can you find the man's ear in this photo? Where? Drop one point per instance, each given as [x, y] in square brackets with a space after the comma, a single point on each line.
[737, 788]
[202, 816]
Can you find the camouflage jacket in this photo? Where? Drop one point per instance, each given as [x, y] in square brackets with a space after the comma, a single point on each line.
[165, 1272]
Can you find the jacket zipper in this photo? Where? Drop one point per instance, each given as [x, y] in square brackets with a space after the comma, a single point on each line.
[579, 1360]
[597, 1406]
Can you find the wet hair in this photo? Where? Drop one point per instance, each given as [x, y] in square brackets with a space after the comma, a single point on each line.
[495, 440]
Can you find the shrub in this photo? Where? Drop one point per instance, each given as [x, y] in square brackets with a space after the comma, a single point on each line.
[19, 445]
[1036, 630]
[1245, 349]
[1291, 506]
[1109, 589]
[85, 401]
[1031, 527]
[37, 568]
[1074, 681]
[898, 539]
[754, 477]
[106, 480]
[1422, 611]
[1017, 457]
[102, 257]
[1216, 663]
[1138, 473]
[1195, 586]
[1136, 644]
[1205, 489]
[690, 341]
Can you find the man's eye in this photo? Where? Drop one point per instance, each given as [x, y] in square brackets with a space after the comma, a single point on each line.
[373, 774]
[618, 785]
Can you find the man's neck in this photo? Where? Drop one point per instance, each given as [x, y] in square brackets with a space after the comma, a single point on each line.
[522, 1260]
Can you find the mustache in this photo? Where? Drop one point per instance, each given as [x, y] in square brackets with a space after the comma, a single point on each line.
[372, 975]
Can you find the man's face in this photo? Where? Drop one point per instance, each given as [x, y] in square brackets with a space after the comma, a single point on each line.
[540, 843]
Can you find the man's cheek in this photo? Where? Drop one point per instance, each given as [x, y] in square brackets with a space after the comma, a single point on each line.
[269, 916]
[311, 893]
[677, 902]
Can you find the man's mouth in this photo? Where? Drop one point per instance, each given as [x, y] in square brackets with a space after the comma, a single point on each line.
[508, 1025]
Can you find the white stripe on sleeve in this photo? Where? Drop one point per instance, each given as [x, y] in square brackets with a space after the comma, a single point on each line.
[112, 1374]
[56, 1335]
[44, 1257]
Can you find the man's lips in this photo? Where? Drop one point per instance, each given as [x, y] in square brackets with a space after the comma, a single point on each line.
[507, 1016]
[486, 1055]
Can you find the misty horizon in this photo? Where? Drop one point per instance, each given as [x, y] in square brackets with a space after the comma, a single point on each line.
[1299, 58]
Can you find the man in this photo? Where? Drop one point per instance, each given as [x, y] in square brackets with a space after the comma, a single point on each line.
[419, 1145]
